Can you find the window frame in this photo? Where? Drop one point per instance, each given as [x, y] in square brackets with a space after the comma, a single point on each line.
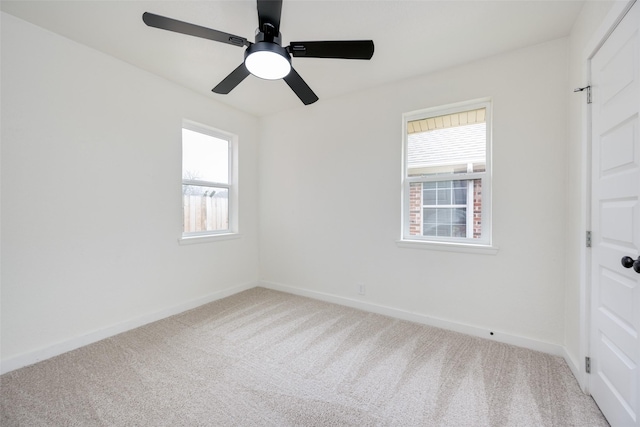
[485, 242]
[231, 186]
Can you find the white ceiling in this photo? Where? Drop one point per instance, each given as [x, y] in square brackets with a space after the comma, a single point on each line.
[411, 38]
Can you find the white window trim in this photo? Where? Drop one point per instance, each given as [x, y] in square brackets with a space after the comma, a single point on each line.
[483, 245]
[192, 240]
[448, 246]
[233, 231]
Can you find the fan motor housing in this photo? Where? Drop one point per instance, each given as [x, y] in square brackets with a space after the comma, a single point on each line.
[267, 46]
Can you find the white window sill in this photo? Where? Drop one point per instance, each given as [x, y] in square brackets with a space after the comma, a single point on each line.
[448, 247]
[192, 240]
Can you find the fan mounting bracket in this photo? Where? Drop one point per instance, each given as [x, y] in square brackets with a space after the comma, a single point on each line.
[261, 36]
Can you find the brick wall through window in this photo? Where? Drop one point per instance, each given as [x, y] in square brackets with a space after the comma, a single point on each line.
[415, 208]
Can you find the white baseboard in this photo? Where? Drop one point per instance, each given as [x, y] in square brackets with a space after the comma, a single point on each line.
[545, 347]
[574, 366]
[35, 356]
[32, 357]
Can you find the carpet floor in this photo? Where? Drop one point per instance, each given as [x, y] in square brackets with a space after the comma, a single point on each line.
[267, 358]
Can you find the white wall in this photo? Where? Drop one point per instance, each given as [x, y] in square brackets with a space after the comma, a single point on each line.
[91, 195]
[330, 198]
[77, 124]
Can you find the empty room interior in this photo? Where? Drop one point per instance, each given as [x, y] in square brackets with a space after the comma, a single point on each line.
[419, 222]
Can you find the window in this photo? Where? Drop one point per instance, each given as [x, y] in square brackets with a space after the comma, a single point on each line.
[208, 184]
[446, 178]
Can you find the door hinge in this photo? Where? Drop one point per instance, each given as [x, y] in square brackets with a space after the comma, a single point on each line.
[588, 239]
[587, 364]
[588, 89]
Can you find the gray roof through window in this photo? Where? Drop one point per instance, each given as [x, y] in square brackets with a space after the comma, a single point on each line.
[448, 146]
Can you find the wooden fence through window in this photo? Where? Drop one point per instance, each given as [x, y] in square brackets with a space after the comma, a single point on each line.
[204, 213]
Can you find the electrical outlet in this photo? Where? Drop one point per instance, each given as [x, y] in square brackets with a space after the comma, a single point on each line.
[361, 288]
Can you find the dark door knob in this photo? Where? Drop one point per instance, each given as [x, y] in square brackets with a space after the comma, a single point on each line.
[628, 262]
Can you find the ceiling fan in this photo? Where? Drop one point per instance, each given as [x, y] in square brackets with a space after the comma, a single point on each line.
[266, 58]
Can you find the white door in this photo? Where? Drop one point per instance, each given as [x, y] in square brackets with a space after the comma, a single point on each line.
[615, 294]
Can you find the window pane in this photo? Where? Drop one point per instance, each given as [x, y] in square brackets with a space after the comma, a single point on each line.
[444, 216]
[430, 216]
[460, 195]
[459, 231]
[430, 224]
[459, 216]
[204, 157]
[453, 149]
[429, 197]
[205, 208]
[444, 196]
[444, 222]
[430, 185]
[444, 230]
[430, 230]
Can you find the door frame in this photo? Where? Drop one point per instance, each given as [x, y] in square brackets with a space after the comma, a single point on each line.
[608, 25]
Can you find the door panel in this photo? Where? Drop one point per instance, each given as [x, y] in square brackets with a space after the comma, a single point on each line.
[616, 148]
[615, 293]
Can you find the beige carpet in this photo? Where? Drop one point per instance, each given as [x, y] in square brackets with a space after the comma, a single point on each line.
[266, 358]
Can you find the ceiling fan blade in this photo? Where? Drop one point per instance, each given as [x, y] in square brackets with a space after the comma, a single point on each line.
[300, 88]
[176, 26]
[269, 12]
[232, 80]
[342, 49]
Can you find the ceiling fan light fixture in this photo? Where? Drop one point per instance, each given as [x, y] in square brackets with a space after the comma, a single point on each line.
[267, 60]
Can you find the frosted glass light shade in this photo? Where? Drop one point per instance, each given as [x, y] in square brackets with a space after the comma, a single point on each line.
[265, 60]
